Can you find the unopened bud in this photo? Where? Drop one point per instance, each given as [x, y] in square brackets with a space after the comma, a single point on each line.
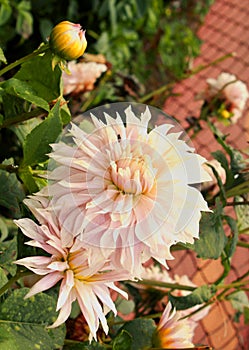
[67, 40]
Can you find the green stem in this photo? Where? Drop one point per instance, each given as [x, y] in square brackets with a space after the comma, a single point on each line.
[238, 190]
[213, 63]
[13, 279]
[40, 50]
[156, 92]
[226, 265]
[38, 112]
[242, 244]
[185, 76]
[198, 310]
[94, 93]
[165, 285]
[235, 284]
[237, 203]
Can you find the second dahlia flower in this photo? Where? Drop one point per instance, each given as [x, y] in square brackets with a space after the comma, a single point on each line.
[173, 333]
[127, 190]
[84, 276]
[229, 95]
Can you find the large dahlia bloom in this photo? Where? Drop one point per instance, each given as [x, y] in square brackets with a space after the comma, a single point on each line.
[172, 332]
[84, 277]
[128, 190]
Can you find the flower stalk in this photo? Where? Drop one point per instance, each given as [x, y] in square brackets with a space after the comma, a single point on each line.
[19, 274]
[166, 285]
[37, 112]
[42, 49]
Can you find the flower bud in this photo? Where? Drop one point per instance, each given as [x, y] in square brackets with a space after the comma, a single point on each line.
[67, 40]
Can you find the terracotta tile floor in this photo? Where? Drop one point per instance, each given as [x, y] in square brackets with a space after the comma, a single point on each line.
[226, 30]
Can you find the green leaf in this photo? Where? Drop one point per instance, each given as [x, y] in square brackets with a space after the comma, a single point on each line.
[11, 193]
[246, 315]
[222, 193]
[40, 76]
[125, 306]
[123, 341]
[24, 22]
[25, 174]
[236, 158]
[8, 255]
[220, 156]
[239, 300]
[3, 229]
[212, 239]
[23, 129]
[233, 238]
[37, 143]
[200, 295]
[65, 114]
[3, 278]
[2, 57]
[23, 90]
[75, 345]
[23, 322]
[46, 27]
[141, 331]
[12, 106]
[242, 212]
[5, 13]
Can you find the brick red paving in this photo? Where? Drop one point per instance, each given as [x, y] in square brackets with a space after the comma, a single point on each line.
[225, 30]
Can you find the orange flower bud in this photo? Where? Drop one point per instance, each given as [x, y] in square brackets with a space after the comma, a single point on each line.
[68, 41]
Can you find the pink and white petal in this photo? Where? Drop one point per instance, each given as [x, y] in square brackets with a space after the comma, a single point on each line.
[65, 310]
[65, 289]
[120, 291]
[37, 264]
[84, 297]
[29, 228]
[102, 292]
[45, 283]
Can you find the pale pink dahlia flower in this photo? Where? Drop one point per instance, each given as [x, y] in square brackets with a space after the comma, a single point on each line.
[173, 333]
[128, 190]
[84, 278]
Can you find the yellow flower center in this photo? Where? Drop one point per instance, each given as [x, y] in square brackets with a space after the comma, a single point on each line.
[78, 264]
[226, 114]
[133, 175]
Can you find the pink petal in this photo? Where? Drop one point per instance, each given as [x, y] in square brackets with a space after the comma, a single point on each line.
[45, 283]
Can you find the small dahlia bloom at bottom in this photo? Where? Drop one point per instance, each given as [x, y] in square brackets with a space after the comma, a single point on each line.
[173, 332]
[89, 284]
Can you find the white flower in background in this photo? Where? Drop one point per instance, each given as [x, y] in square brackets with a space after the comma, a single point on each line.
[127, 190]
[155, 273]
[83, 76]
[229, 91]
